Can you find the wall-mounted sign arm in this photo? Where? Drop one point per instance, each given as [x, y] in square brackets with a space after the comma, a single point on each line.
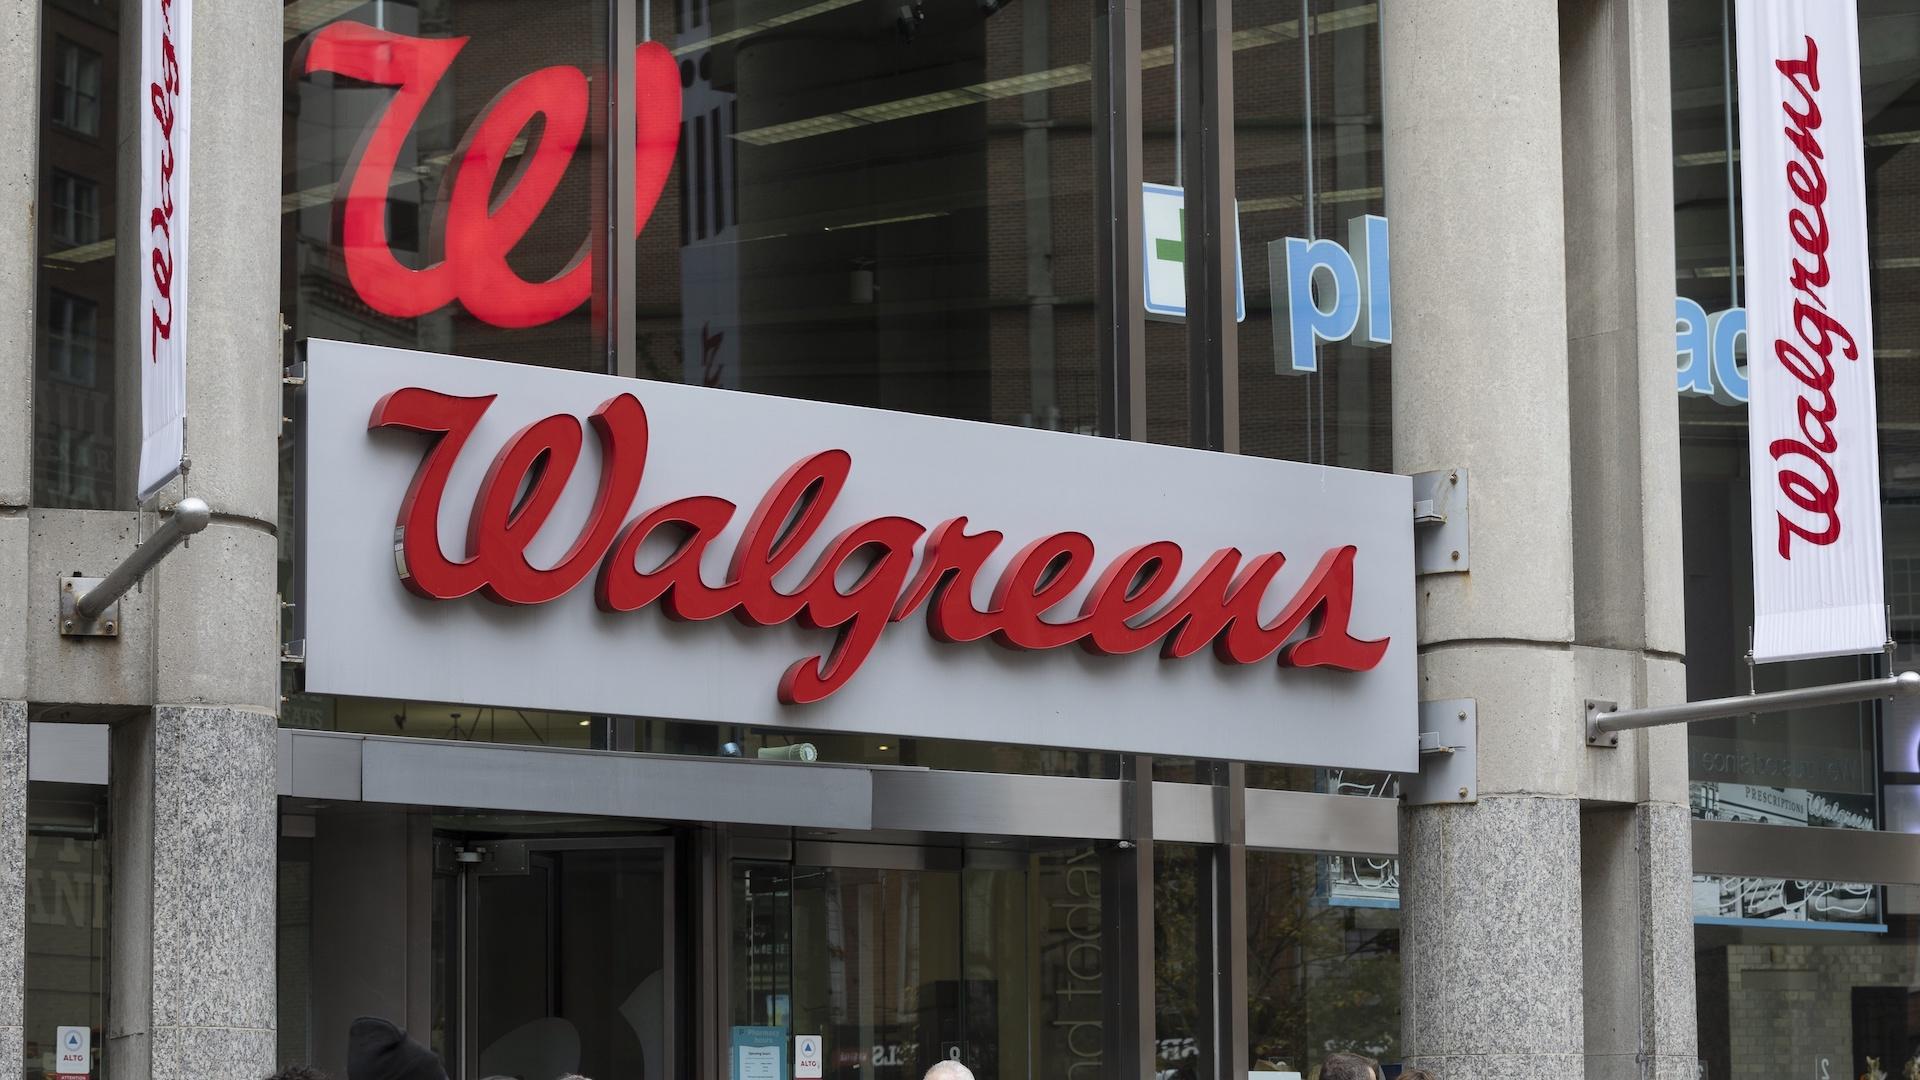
[90, 607]
[1605, 720]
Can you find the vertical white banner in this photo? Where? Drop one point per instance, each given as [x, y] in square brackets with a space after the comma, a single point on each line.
[1817, 576]
[165, 45]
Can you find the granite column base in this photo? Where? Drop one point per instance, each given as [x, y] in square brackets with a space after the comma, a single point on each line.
[13, 885]
[1491, 938]
[195, 833]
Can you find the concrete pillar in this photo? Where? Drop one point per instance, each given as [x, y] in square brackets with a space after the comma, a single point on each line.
[193, 791]
[19, 185]
[19, 182]
[372, 893]
[1492, 931]
[1636, 849]
[13, 884]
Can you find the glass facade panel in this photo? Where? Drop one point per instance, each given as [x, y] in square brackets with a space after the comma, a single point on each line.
[67, 901]
[998, 965]
[877, 207]
[444, 167]
[76, 407]
[1314, 384]
[1795, 977]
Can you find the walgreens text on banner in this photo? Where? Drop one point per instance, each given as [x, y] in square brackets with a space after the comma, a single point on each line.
[165, 37]
[1817, 577]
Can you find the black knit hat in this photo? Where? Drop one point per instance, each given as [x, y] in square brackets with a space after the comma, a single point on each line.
[376, 1050]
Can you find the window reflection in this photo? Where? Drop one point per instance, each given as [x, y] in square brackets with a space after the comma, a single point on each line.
[76, 399]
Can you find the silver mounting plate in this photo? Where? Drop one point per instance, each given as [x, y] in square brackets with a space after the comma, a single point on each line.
[1449, 758]
[1440, 522]
[1600, 740]
[71, 622]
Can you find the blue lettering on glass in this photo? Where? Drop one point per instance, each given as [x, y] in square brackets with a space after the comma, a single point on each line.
[1325, 292]
[1708, 354]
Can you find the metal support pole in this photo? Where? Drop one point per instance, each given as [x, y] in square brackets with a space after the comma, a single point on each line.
[87, 604]
[620, 290]
[1126, 903]
[1119, 303]
[1605, 721]
[1222, 937]
[1212, 232]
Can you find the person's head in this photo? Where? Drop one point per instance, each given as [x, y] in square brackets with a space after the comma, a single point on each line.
[1348, 1067]
[376, 1050]
[298, 1072]
[949, 1070]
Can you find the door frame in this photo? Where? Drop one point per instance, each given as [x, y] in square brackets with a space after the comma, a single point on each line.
[514, 857]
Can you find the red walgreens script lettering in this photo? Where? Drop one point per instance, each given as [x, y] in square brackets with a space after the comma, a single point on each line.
[476, 230]
[1818, 331]
[163, 98]
[1132, 603]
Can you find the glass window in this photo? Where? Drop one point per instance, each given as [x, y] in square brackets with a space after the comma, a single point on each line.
[1323, 959]
[891, 210]
[75, 202]
[75, 411]
[997, 965]
[67, 901]
[1315, 345]
[442, 177]
[72, 326]
[1836, 957]
[1850, 997]
[74, 103]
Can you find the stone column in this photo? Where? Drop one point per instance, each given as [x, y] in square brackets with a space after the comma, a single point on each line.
[1491, 938]
[19, 182]
[1636, 844]
[193, 792]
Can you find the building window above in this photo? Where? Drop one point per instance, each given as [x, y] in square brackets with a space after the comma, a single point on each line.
[76, 209]
[75, 100]
[71, 324]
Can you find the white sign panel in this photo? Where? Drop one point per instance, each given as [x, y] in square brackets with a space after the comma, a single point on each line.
[538, 538]
[808, 1062]
[1163, 219]
[73, 1053]
[165, 46]
[1817, 577]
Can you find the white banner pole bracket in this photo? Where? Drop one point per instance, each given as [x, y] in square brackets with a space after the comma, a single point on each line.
[1605, 720]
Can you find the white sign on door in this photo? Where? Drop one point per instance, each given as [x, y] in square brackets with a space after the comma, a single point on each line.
[74, 1054]
[808, 1061]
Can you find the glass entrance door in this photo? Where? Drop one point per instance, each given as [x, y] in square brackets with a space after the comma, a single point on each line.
[893, 966]
[563, 960]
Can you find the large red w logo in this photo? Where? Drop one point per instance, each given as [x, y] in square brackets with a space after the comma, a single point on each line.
[477, 230]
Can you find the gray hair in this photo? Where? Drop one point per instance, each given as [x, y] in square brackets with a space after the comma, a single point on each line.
[1348, 1067]
[949, 1070]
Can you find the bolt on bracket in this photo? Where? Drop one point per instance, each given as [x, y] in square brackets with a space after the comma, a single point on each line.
[1440, 522]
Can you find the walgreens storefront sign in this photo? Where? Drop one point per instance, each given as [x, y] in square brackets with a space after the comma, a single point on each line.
[520, 536]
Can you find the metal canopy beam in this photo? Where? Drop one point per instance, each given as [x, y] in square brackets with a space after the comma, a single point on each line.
[1605, 720]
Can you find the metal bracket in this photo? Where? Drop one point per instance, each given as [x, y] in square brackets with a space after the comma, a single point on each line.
[90, 607]
[74, 624]
[1440, 521]
[1449, 754]
[1601, 740]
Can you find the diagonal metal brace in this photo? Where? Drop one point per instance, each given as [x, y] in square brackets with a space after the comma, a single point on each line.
[89, 607]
